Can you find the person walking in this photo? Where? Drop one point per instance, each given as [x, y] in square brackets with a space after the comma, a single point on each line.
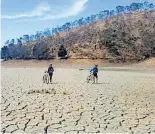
[95, 73]
[50, 72]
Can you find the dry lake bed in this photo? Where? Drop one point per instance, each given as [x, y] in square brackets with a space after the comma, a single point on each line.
[122, 101]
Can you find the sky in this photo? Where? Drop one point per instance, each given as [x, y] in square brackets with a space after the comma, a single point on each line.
[19, 17]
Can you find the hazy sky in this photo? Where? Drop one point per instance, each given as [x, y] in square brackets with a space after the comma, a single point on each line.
[28, 16]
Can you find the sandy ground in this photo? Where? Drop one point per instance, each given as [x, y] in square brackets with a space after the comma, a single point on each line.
[70, 63]
[122, 101]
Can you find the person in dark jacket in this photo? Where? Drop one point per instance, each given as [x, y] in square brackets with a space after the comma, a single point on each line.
[95, 73]
[50, 72]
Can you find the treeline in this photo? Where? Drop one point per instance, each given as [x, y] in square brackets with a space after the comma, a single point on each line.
[37, 50]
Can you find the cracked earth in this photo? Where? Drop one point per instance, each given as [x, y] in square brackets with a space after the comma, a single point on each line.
[120, 102]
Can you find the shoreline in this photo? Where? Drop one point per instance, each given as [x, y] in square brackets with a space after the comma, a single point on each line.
[71, 63]
[81, 64]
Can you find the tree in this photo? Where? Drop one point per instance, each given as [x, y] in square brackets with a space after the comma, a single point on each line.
[75, 23]
[40, 50]
[68, 25]
[146, 5]
[134, 6]
[38, 35]
[128, 8]
[4, 52]
[93, 18]
[101, 15]
[62, 51]
[31, 38]
[104, 14]
[12, 42]
[112, 13]
[12, 53]
[47, 32]
[88, 19]
[80, 21]
[53, 31]
[120, 9]
[59, 29]
[26, 38]
[7, 42]
[140, 6]
[21, 39]
[151, 6]
[19, 42]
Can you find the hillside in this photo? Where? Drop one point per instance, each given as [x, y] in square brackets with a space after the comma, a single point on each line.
[122, 38]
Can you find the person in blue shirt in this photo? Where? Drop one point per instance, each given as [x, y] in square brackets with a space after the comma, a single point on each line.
[95, 71]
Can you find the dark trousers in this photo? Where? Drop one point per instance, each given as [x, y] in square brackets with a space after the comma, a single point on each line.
[95, 75]
[50, 75]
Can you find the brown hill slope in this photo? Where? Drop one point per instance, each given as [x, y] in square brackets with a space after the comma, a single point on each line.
[126, 37]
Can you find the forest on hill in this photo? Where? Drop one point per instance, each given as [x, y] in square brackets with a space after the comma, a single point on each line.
[121, 35]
